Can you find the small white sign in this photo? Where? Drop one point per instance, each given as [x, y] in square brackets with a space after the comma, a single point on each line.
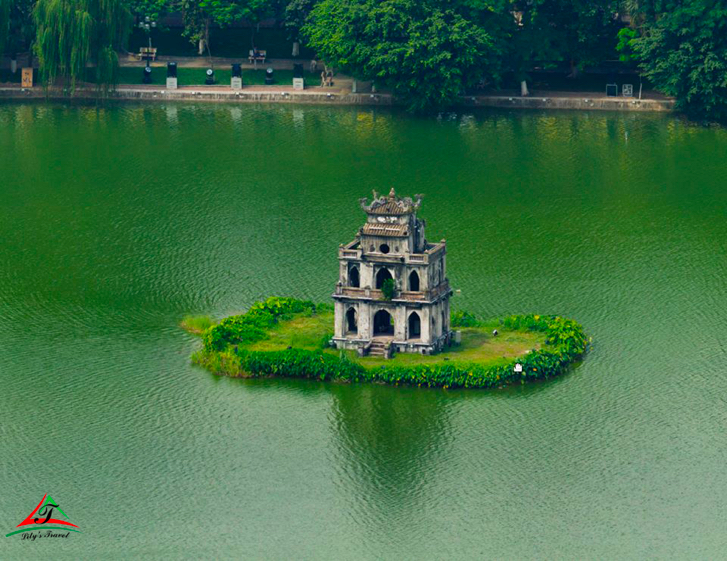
[236, 83]
[518, 368]
[627, 90]
[171, 83]
[298, 83]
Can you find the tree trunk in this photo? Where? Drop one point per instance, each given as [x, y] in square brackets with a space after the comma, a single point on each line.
[207, 38]
[255, 29]
[573, 69]
[524, 88]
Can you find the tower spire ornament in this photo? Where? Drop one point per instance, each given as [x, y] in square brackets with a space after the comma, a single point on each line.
[393, 293]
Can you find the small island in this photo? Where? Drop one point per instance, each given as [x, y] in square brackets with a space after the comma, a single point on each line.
[391, 322]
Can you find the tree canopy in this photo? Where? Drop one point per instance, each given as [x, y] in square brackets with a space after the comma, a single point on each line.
[427, 52]
[683, 51]
[424, 50]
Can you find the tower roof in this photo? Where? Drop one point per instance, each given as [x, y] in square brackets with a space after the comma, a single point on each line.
[388, 230]
[391, 204]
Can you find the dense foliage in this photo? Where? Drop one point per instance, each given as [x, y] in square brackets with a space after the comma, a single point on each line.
[5, 6]
[424, 50]
[388, 288]
[427, 52]
[16, 26]
[683, 51]
[565, 343]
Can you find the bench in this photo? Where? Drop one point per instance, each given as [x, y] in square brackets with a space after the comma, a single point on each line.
[261, 56]
[147, 53]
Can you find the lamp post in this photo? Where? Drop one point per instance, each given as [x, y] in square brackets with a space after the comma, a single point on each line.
[147, 24]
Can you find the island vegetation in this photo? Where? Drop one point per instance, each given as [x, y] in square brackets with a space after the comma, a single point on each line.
[427, 52]
[284, 337]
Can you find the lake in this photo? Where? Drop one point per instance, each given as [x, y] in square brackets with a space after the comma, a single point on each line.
[116, 222]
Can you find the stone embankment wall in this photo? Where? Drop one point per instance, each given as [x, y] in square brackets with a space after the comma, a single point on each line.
[345, 98]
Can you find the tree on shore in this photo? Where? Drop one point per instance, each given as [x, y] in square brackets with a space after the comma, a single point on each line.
[424, 50]
[296, 16]
[16, 26]
[4, 23]
[546, 32]
[73, 33]
[682, 49]
[200, 15]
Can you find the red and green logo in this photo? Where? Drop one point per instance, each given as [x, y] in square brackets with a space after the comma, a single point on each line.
[46, 516]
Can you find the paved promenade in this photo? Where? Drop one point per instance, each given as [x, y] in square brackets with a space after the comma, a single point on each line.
[340, 94]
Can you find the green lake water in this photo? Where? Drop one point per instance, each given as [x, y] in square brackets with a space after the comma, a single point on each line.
[116, 222]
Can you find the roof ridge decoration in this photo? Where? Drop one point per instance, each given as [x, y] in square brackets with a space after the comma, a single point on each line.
[391, 204]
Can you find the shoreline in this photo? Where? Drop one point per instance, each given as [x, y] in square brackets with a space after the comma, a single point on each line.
[289, 338]
[344, 97]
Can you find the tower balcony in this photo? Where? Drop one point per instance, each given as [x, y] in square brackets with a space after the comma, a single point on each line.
[401, 296]
[354, 252]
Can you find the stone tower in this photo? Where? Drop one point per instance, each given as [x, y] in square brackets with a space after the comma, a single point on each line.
[391, 245]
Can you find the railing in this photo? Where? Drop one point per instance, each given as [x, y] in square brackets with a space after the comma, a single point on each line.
[410, 296]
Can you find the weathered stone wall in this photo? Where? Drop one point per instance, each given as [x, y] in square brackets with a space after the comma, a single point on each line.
[333, 98]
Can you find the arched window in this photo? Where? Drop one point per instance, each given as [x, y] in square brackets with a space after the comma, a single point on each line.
[383, 324]
[414, 281]
[351, 324]
[381, 276]
[354, 278]
[415, 326]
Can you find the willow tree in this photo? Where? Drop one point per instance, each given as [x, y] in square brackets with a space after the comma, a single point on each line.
[73, 34]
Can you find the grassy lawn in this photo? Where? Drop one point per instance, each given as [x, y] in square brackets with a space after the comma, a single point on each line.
[478, 344]
[197, 76]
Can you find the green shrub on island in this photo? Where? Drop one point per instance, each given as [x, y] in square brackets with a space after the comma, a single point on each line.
[388, 288]
[224, 352]
[460, 318]
[254, 324]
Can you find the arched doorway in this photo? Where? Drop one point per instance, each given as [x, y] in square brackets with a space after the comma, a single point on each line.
[414, 281]
[354, 278]
[381, 276]
[383, 325]
[415, 326]
[351, 323]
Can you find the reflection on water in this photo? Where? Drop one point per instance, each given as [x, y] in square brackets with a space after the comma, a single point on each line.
[389, 451]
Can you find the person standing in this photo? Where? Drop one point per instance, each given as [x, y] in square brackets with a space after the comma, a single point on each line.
[323, 78]
[313, 66]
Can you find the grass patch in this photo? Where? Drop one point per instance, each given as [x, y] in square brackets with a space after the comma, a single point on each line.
[132, 75]
[197, 324]
[478, 344]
